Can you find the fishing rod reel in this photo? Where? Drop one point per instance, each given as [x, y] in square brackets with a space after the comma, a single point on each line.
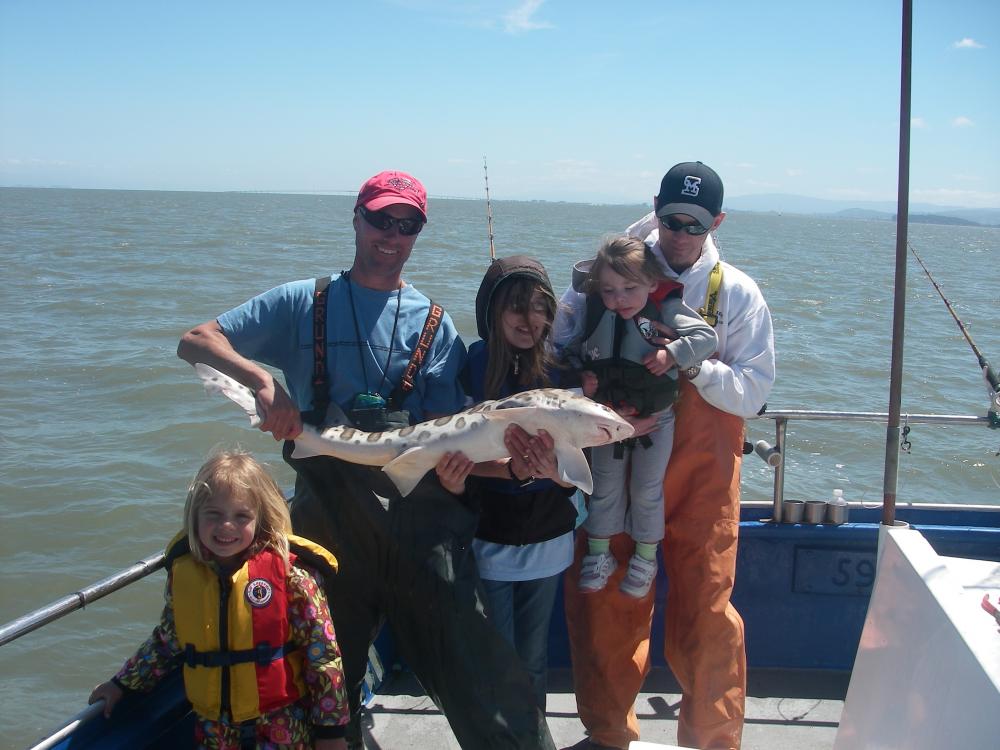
[993, 413]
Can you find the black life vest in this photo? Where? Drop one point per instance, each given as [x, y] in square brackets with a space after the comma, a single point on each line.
[613, 349]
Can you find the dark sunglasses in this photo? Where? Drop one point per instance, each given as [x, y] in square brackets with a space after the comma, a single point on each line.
[382, 220]
[671, 223]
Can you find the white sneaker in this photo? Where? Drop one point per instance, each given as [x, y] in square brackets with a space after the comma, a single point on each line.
[640, 577]
[595, 571]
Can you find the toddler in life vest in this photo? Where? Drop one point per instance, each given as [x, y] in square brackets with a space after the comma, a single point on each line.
[246, 620]
[626, 289]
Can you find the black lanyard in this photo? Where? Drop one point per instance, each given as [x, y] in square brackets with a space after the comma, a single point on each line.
[357, 333]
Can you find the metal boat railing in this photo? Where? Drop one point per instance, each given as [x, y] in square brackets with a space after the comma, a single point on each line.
[774, 455]
[72, 724]
[60, 608]
[79, 599]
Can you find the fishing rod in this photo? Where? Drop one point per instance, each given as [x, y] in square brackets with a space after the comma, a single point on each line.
[988, 371]
[489, 211]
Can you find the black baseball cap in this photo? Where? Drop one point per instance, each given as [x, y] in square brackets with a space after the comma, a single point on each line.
[693, 189]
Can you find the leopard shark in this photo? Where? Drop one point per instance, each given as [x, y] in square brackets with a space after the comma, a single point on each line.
[406, 454]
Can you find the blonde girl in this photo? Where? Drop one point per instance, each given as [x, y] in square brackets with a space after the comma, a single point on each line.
[276, 680]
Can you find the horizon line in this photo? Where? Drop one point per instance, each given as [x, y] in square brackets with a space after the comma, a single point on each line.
[338, 192]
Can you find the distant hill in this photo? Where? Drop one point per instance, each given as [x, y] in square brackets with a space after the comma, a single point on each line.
[861, 213]
[875, 210]
[935, 219]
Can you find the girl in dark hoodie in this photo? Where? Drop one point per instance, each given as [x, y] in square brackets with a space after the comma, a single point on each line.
[525, 535]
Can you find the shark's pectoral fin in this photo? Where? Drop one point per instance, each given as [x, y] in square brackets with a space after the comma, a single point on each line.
[573, 467]
[409, 467]
[218, 382]
[300, 451]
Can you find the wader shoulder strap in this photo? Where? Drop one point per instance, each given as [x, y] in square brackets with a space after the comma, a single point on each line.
[431, 325]
[321, 378]
[710, 310]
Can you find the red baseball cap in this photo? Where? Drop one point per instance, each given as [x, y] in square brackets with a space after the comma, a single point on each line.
[387, 188]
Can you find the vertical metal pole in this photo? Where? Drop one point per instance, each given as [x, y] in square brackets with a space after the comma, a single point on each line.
[780, 428]
[899, 303]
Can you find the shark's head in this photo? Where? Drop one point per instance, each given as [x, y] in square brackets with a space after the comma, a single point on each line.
[600, 424]
[586, 422]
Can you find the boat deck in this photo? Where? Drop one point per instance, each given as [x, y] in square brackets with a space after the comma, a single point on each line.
[786, 709]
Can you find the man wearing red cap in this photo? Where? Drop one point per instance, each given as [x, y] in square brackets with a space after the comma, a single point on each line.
[703, 643]
[366, 344]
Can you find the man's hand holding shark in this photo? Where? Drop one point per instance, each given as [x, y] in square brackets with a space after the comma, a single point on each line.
[276, 412]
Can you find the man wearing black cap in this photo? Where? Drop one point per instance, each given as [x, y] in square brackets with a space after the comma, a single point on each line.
[609, 633]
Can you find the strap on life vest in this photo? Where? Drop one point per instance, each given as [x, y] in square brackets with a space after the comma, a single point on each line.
[710, 310]
[262, 654]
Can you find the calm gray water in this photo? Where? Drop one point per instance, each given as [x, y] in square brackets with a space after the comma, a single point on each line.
[101, 426]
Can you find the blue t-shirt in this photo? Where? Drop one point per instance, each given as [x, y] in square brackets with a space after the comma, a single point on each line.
[276, 329]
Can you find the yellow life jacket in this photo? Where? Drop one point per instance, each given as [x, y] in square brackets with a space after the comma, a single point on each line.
[234, 630]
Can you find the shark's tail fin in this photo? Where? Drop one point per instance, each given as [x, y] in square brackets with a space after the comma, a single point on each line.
[218, 382]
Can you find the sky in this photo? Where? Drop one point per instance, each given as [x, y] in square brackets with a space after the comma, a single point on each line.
[567, 99]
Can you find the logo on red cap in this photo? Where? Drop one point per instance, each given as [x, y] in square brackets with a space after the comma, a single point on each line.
[401, 183]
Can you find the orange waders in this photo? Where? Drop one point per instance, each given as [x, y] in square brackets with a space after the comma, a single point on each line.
[609, 631]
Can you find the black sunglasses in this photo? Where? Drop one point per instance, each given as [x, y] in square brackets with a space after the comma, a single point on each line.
[671, 223]
[382, 220]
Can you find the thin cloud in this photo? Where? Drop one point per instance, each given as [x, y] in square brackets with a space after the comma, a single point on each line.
[794, 172]
[521, 18]
[573, 168]
[918, 122]
[962, 122]
[968, 43]
[15, 162]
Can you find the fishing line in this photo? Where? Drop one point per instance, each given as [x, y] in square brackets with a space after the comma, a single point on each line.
[988, 372]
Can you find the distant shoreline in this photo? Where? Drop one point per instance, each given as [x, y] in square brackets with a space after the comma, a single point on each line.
[802, 205]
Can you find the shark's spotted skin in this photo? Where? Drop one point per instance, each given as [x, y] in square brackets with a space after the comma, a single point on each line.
[406, 454]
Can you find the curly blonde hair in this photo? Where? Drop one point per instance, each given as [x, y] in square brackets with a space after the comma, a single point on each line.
[237, 473]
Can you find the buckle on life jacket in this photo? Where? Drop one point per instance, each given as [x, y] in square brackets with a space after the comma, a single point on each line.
[644, 441]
